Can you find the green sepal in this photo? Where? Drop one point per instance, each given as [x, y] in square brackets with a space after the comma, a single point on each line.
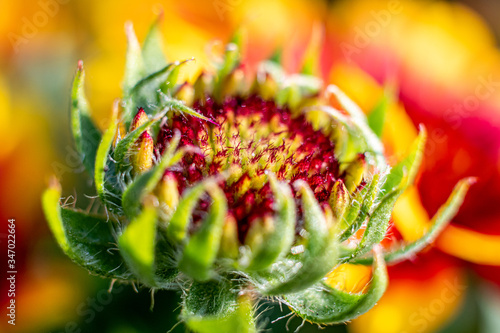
[87, 239]
[278, 242]
[376, 227]
[169, 84]
[146, 182]
[443, 216]
[215, 306]
[105, 183]
[170, 103]
[87, 136]
[361, 207]
[230, 63]
[320, 251]
[352, 211]
[407, 169]
[137, 244]
[200, 251]
[145, 94]
[322, 304]
[179, 223]
[152, 48]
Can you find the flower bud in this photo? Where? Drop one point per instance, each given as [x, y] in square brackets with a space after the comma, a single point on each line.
[140, 118]
[142, 157]
[339, 199]
[168, 195]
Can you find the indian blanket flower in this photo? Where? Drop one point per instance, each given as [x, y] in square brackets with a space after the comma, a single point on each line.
[231, 189]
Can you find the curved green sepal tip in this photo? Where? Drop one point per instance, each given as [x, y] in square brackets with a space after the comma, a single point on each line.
[202, 247]
[179, 223]
[215, 306]
[137, 244]
[443, 216]
[322, 304]
[87, 240]
[87, 136]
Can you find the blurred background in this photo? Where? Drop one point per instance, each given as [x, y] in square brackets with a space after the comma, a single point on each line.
[442, 55]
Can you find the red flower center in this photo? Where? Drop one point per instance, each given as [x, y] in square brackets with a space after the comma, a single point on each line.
[252, 136]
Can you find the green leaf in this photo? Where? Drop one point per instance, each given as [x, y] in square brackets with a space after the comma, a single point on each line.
[137, 244]
[278, 243]
[444, 215]
[320, 251]
[215, 306]
[145, 183]
[87, 136]
[152, 48]
[201, 249]
[88, 240]
[407, 169]
[322, 304]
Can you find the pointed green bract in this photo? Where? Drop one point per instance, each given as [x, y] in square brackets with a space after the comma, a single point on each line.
[104, 189]
[443, 216]
[407, 169]
[376, 228]
[87, 136]
[152, 48]
[177, 227]
[134, 67]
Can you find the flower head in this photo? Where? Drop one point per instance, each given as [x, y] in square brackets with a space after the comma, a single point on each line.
[231, 188]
